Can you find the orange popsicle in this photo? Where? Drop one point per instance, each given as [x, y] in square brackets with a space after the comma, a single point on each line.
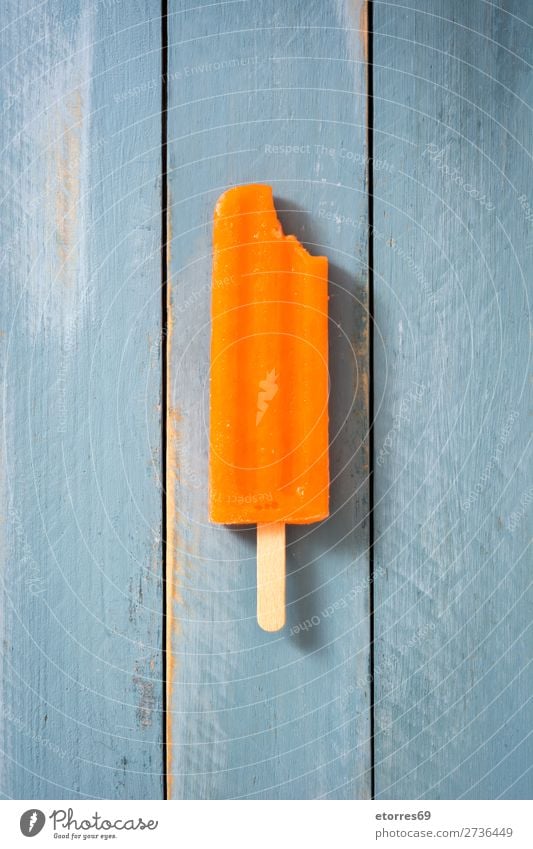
[269, 372]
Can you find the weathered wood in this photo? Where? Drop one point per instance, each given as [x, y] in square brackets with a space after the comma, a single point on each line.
[453, 271]
[274, 93]
[80, 426]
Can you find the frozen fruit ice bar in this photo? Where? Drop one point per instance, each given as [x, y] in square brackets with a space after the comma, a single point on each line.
[269, 368]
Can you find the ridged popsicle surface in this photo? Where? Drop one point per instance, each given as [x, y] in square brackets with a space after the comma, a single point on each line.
[269, 368]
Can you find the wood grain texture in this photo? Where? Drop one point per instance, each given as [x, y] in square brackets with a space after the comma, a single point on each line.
[271, 549]
[273, 93]
[453, 270]
[80, 429]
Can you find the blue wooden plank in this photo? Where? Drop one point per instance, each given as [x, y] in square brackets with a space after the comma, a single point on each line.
[453, 263]
[80, 327]
[275, 93]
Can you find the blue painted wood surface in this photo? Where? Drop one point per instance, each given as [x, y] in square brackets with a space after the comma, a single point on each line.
[453, 271]
[80, 427]
[275, 93]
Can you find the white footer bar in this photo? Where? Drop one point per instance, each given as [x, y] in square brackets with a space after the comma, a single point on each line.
[269, 824]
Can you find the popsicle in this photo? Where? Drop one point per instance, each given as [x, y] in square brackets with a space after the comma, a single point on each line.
[268, 460]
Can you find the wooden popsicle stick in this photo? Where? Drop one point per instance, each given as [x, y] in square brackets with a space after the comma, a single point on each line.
[271, 576]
